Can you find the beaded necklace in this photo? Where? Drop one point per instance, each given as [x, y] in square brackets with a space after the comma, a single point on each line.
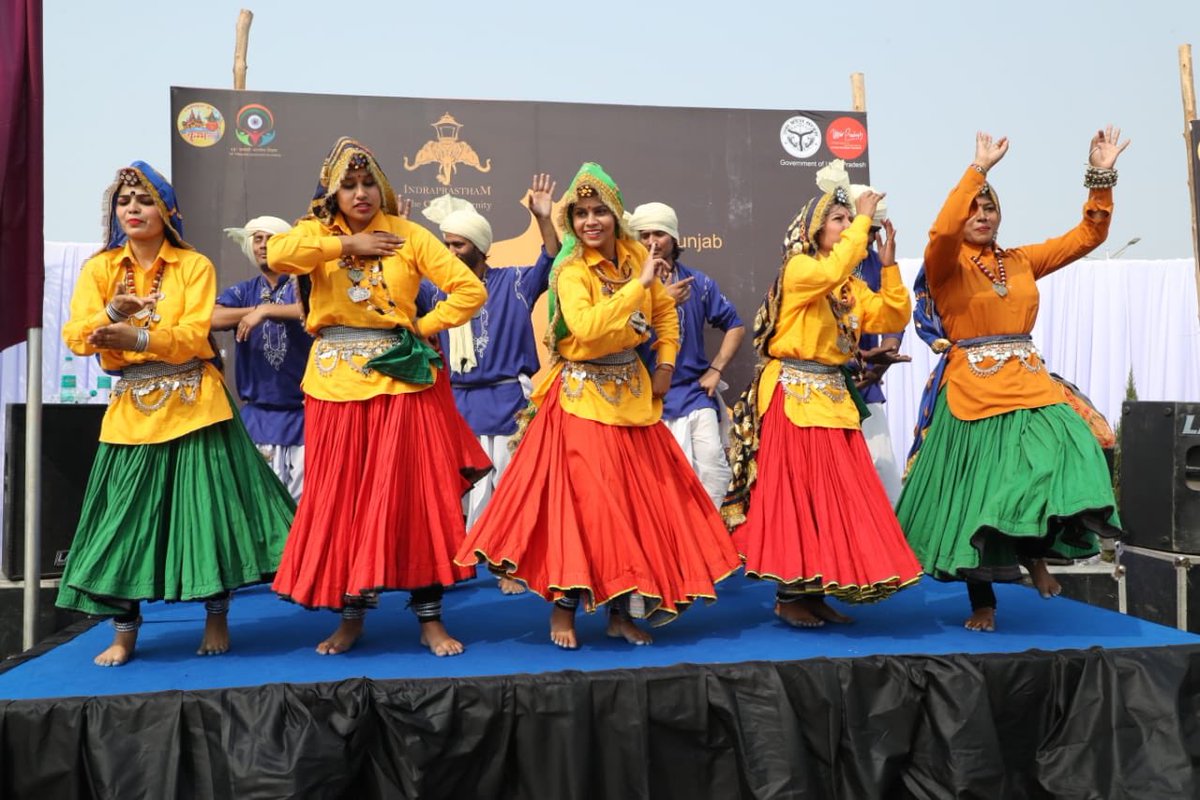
[356, 271]
[610, 285]
[999, 282]
[129, 286]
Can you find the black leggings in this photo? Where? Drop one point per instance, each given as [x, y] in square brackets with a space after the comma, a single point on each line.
[981, 593]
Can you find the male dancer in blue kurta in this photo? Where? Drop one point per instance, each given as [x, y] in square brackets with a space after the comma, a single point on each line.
[271, 353]
[691, 410]
[493, 357]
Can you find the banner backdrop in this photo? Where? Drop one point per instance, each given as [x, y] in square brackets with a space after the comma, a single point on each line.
[735, 177]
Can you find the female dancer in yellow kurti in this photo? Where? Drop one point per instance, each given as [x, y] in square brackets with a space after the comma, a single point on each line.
[599, 500]
[805, 502]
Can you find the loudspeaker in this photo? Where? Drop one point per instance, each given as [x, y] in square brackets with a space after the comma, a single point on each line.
[70, 439]
[1160, 475]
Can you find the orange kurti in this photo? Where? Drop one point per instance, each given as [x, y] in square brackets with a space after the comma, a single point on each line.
[970, 307]
[807, 329]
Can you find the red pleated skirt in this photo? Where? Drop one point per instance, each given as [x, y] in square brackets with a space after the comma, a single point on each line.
[819, 519]
[606, 509]
[382, 502]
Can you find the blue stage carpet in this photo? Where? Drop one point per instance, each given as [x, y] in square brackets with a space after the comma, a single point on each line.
[273, 640]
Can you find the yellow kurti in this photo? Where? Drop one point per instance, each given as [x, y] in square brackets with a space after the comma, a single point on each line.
[807, 330]
[189, 289]
[599, 325]
[970, 307]
[312, 248]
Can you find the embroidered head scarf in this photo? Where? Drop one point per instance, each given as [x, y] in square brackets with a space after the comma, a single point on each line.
[590, 181]
[347, 154]
[245, 236]
[139, 173]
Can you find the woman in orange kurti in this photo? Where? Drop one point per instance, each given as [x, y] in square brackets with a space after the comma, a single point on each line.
[806, 505]
[387, 455]
[1006, 471]
[599, 504]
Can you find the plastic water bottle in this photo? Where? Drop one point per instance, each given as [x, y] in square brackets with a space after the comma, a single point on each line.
[103, 389]
[68, 381]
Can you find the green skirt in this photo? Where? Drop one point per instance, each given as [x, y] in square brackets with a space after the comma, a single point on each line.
[183, 520]
[1031, 480]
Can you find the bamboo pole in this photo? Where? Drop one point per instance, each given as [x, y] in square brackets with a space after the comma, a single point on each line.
[1188, 90]
[858, 91]
[245, 17]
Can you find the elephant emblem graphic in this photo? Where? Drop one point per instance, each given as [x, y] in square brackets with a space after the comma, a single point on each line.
[447, 151]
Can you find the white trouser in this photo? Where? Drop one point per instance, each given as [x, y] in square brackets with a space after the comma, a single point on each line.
[699, 436]
[879, 443]
[288, 463]
[476, 500]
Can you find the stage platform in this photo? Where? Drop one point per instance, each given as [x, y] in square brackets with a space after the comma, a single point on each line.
[1065, 700]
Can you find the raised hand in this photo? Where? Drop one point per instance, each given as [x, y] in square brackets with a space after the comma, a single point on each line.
[681, 290]
[374, 243]
[404, 207]
[541, 196]
[866, 203]
[887, 251]
[652, 267]
[1106, 146]
[988, 152]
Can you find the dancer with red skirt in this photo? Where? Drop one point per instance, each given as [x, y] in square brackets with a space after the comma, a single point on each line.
[388, 456]
[599, 505]
[805, 501]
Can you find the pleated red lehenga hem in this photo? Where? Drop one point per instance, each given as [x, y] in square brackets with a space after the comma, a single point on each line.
[819, 520]
[608, 510]
[382, 502]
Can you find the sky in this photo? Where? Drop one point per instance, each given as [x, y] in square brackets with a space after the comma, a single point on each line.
[1046, 74]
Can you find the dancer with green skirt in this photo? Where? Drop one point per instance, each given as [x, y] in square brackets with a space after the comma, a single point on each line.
[179, 505]
[1003, 471]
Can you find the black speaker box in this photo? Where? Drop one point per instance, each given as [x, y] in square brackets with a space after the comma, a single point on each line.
[70, 439]
[1160, 476]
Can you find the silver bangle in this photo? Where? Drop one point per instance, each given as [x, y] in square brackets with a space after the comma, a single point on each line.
[113, 314]
[1099, 178]
[143, 340]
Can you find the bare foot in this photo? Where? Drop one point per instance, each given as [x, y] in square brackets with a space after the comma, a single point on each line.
[119, 652]
[439, 641]
[510, 586]
[343, 638]
[622, 627]
[981, 619]
[562, 627]
[1046, 584]
[216, 636]
[798, 615]
[822, 610]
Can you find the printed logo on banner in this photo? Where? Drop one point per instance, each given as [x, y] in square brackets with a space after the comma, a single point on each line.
[800, 136]
[200, 124]
[447, 151]
[846, 137]
[255, 125]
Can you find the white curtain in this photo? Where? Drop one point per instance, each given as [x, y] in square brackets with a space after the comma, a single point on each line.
[1098, 320]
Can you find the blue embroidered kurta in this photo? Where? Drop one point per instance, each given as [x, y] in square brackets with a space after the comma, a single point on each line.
[270, 364]
[868, 270]
[706, 305]
[490, 395]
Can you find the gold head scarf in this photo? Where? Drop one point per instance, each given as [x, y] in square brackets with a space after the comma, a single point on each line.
[347, 154]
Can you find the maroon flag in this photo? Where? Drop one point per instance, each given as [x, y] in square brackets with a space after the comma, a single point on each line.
[21, 267]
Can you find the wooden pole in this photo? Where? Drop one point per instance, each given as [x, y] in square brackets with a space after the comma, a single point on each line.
[1188, 90]
[245, 17]
[858, 91]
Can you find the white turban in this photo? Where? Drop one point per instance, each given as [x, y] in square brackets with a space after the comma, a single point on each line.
[655, 217]
[834, 174]
[245, 236]
[459, 217]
